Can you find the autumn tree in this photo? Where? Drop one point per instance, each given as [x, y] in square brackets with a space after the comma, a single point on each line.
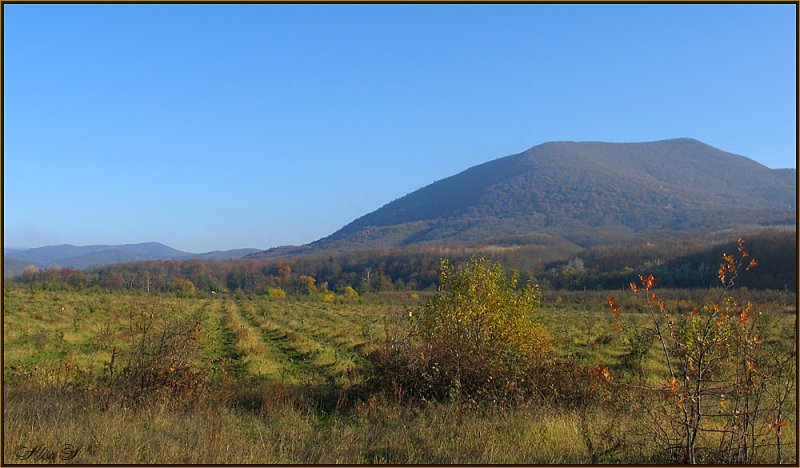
[184, 286]
[306, 284]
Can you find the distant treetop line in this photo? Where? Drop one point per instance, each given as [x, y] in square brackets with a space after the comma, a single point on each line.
[678, 262]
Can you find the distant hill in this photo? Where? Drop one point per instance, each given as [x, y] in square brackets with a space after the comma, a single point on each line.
[585, 192]
[85, 256]
[14, 266]
[98, 255]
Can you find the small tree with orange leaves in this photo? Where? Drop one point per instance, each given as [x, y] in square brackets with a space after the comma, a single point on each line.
[724, 393]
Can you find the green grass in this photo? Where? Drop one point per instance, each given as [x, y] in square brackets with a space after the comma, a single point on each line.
[285, 375]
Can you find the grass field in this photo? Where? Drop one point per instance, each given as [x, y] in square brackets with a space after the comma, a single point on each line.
[281, 378]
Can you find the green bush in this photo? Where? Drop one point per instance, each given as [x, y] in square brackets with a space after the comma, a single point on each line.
[474, 340]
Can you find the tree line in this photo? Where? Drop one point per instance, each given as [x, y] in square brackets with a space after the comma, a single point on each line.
[678, 263]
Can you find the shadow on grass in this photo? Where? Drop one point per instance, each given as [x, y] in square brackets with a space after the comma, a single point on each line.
[271, 398]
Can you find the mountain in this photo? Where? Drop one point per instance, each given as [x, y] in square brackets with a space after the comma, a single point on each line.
[97, 255]
[585, 192]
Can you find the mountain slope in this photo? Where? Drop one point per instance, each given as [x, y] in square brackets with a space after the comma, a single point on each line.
[586, 192]
[789, 175]
[223, 254]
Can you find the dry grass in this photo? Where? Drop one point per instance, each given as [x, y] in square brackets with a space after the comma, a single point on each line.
[283, 429]
[289, 404]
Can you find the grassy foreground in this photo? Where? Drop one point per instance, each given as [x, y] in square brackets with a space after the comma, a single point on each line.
[283, 385]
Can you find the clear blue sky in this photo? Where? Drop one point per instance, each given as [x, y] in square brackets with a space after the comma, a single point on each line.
[222, 126]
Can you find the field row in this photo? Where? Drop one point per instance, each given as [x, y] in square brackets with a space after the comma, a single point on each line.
[284, 365]
[270, 339]
[295, 341]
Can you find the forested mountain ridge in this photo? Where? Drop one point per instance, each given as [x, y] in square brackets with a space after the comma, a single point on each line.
[584, 192]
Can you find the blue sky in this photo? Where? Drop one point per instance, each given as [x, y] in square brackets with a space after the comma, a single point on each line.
[222, 126]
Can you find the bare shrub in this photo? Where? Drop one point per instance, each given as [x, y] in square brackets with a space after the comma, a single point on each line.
[160, 362]
[724, 394]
